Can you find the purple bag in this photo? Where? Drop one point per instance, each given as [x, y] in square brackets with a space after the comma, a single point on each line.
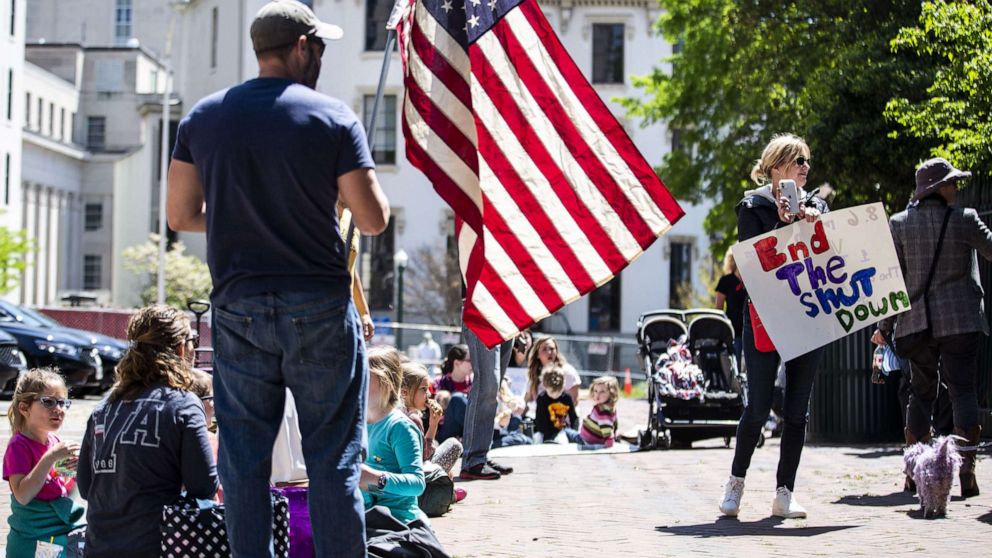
[300, 530]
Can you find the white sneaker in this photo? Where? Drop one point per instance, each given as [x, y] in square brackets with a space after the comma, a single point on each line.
[785, 505]
[732, 494]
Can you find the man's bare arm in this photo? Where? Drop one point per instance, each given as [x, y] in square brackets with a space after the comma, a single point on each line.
[361, 193]
[185, 198]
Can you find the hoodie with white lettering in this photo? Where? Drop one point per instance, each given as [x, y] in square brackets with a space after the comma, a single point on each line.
[137, 456]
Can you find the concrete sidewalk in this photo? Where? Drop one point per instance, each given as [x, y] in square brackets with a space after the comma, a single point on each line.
[664, 503]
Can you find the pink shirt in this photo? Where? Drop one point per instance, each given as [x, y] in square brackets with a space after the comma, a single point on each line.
[23, 454]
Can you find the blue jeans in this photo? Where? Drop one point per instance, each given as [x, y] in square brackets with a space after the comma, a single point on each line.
[312, 344]
[454, 418]
[488, 367]
[762, 369]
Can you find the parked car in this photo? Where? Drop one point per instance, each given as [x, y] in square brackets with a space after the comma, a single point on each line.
[73, 356]
[110, 349]
[12, 364]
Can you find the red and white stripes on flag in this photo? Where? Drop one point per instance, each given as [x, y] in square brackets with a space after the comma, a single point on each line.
[551, 196]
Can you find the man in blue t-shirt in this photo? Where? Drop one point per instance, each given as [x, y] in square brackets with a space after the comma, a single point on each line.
[259, 168]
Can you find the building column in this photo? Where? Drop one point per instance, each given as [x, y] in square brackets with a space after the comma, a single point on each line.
[31, 227]
[57, 205]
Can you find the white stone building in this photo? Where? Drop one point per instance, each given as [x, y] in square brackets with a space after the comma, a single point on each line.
[12, 17]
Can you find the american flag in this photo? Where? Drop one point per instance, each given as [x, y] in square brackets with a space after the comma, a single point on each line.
[551, 197]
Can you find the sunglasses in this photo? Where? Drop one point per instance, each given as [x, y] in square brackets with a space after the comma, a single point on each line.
[800, 161]
[320, 45]
[52, 402]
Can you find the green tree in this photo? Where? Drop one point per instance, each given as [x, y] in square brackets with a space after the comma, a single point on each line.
[14, 248]
[822, 69]
[956, 114]
[186, 276]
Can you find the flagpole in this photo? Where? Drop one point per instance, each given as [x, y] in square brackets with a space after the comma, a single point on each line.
[370, 125]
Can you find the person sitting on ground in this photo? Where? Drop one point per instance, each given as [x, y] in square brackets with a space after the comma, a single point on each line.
[125, 483]
[456, 372]
[509, 418]
[203, 387]
[418, 402]
[555, 409]
[39, 466]
[599, 428]
[453, 386]
[545, 353]
[393, 473]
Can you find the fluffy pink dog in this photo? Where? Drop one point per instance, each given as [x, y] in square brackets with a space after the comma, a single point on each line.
[933, 468]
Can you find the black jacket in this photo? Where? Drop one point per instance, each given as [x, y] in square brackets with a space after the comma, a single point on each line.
[757, 214]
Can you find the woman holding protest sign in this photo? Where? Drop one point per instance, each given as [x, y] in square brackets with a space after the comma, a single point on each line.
[764, 209]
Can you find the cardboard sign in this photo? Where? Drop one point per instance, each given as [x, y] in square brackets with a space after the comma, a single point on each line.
[814, 283]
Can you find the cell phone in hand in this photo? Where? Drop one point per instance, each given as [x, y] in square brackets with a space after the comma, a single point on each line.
[791, 192]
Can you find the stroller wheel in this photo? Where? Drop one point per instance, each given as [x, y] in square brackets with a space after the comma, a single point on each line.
[646, 439]
[664, 441]
[761, 440]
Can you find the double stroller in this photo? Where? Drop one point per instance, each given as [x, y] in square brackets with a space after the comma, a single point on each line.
[695, 388]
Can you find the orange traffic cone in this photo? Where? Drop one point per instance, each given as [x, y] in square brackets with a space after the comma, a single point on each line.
[628, 387]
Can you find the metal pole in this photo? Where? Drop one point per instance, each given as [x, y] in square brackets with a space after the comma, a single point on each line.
[163, 186]
[370, 125]
[399, 308]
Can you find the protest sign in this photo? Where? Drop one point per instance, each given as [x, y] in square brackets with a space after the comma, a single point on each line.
[813, 283]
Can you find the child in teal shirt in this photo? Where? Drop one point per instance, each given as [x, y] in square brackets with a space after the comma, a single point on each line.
[392, 475]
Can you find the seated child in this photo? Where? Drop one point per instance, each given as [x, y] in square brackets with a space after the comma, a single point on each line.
[600, 427]
[509, 417]
[555, 409]
[39, 467]
[393, 473]
[416, 397]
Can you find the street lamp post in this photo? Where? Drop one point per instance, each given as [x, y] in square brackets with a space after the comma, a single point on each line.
[401, 259]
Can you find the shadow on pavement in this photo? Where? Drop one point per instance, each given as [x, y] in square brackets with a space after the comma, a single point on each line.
[987, 518]
[900, 498]
[883, 452]
[731, 527]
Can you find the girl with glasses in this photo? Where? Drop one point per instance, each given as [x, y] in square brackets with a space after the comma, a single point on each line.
[39, 466]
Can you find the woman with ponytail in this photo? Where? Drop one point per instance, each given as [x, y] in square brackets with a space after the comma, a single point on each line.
[146, 441]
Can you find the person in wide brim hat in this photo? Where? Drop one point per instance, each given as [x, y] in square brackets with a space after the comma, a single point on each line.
[935, 173]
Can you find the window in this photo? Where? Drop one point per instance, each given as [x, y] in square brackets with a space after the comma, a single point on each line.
[381, 275]
[62, 123]
[6, 180]
[51, 119]
[604, 307]
[10, 94]
[93, 216]
[13, 17]
[96, 127]
[384, 150]
[92, 271]
[607, 53]
[676, 139]
[679, 273]
[213, 38]
[27, 109]
[376, 15]
[122, 22]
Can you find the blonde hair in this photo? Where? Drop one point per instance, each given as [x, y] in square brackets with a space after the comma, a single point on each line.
[729, 265]
[535, 367]
[386, 367]
[30, 387]
[612, 387]
[155, 333]
[553, 378]
[782, 150]
[414, 374]
[203, 383]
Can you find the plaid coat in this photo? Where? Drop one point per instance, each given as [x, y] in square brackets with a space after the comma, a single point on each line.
[956, 297]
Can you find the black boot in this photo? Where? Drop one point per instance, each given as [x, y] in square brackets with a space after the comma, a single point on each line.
[969, 483]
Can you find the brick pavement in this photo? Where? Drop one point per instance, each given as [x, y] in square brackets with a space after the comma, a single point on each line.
[663, 503]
